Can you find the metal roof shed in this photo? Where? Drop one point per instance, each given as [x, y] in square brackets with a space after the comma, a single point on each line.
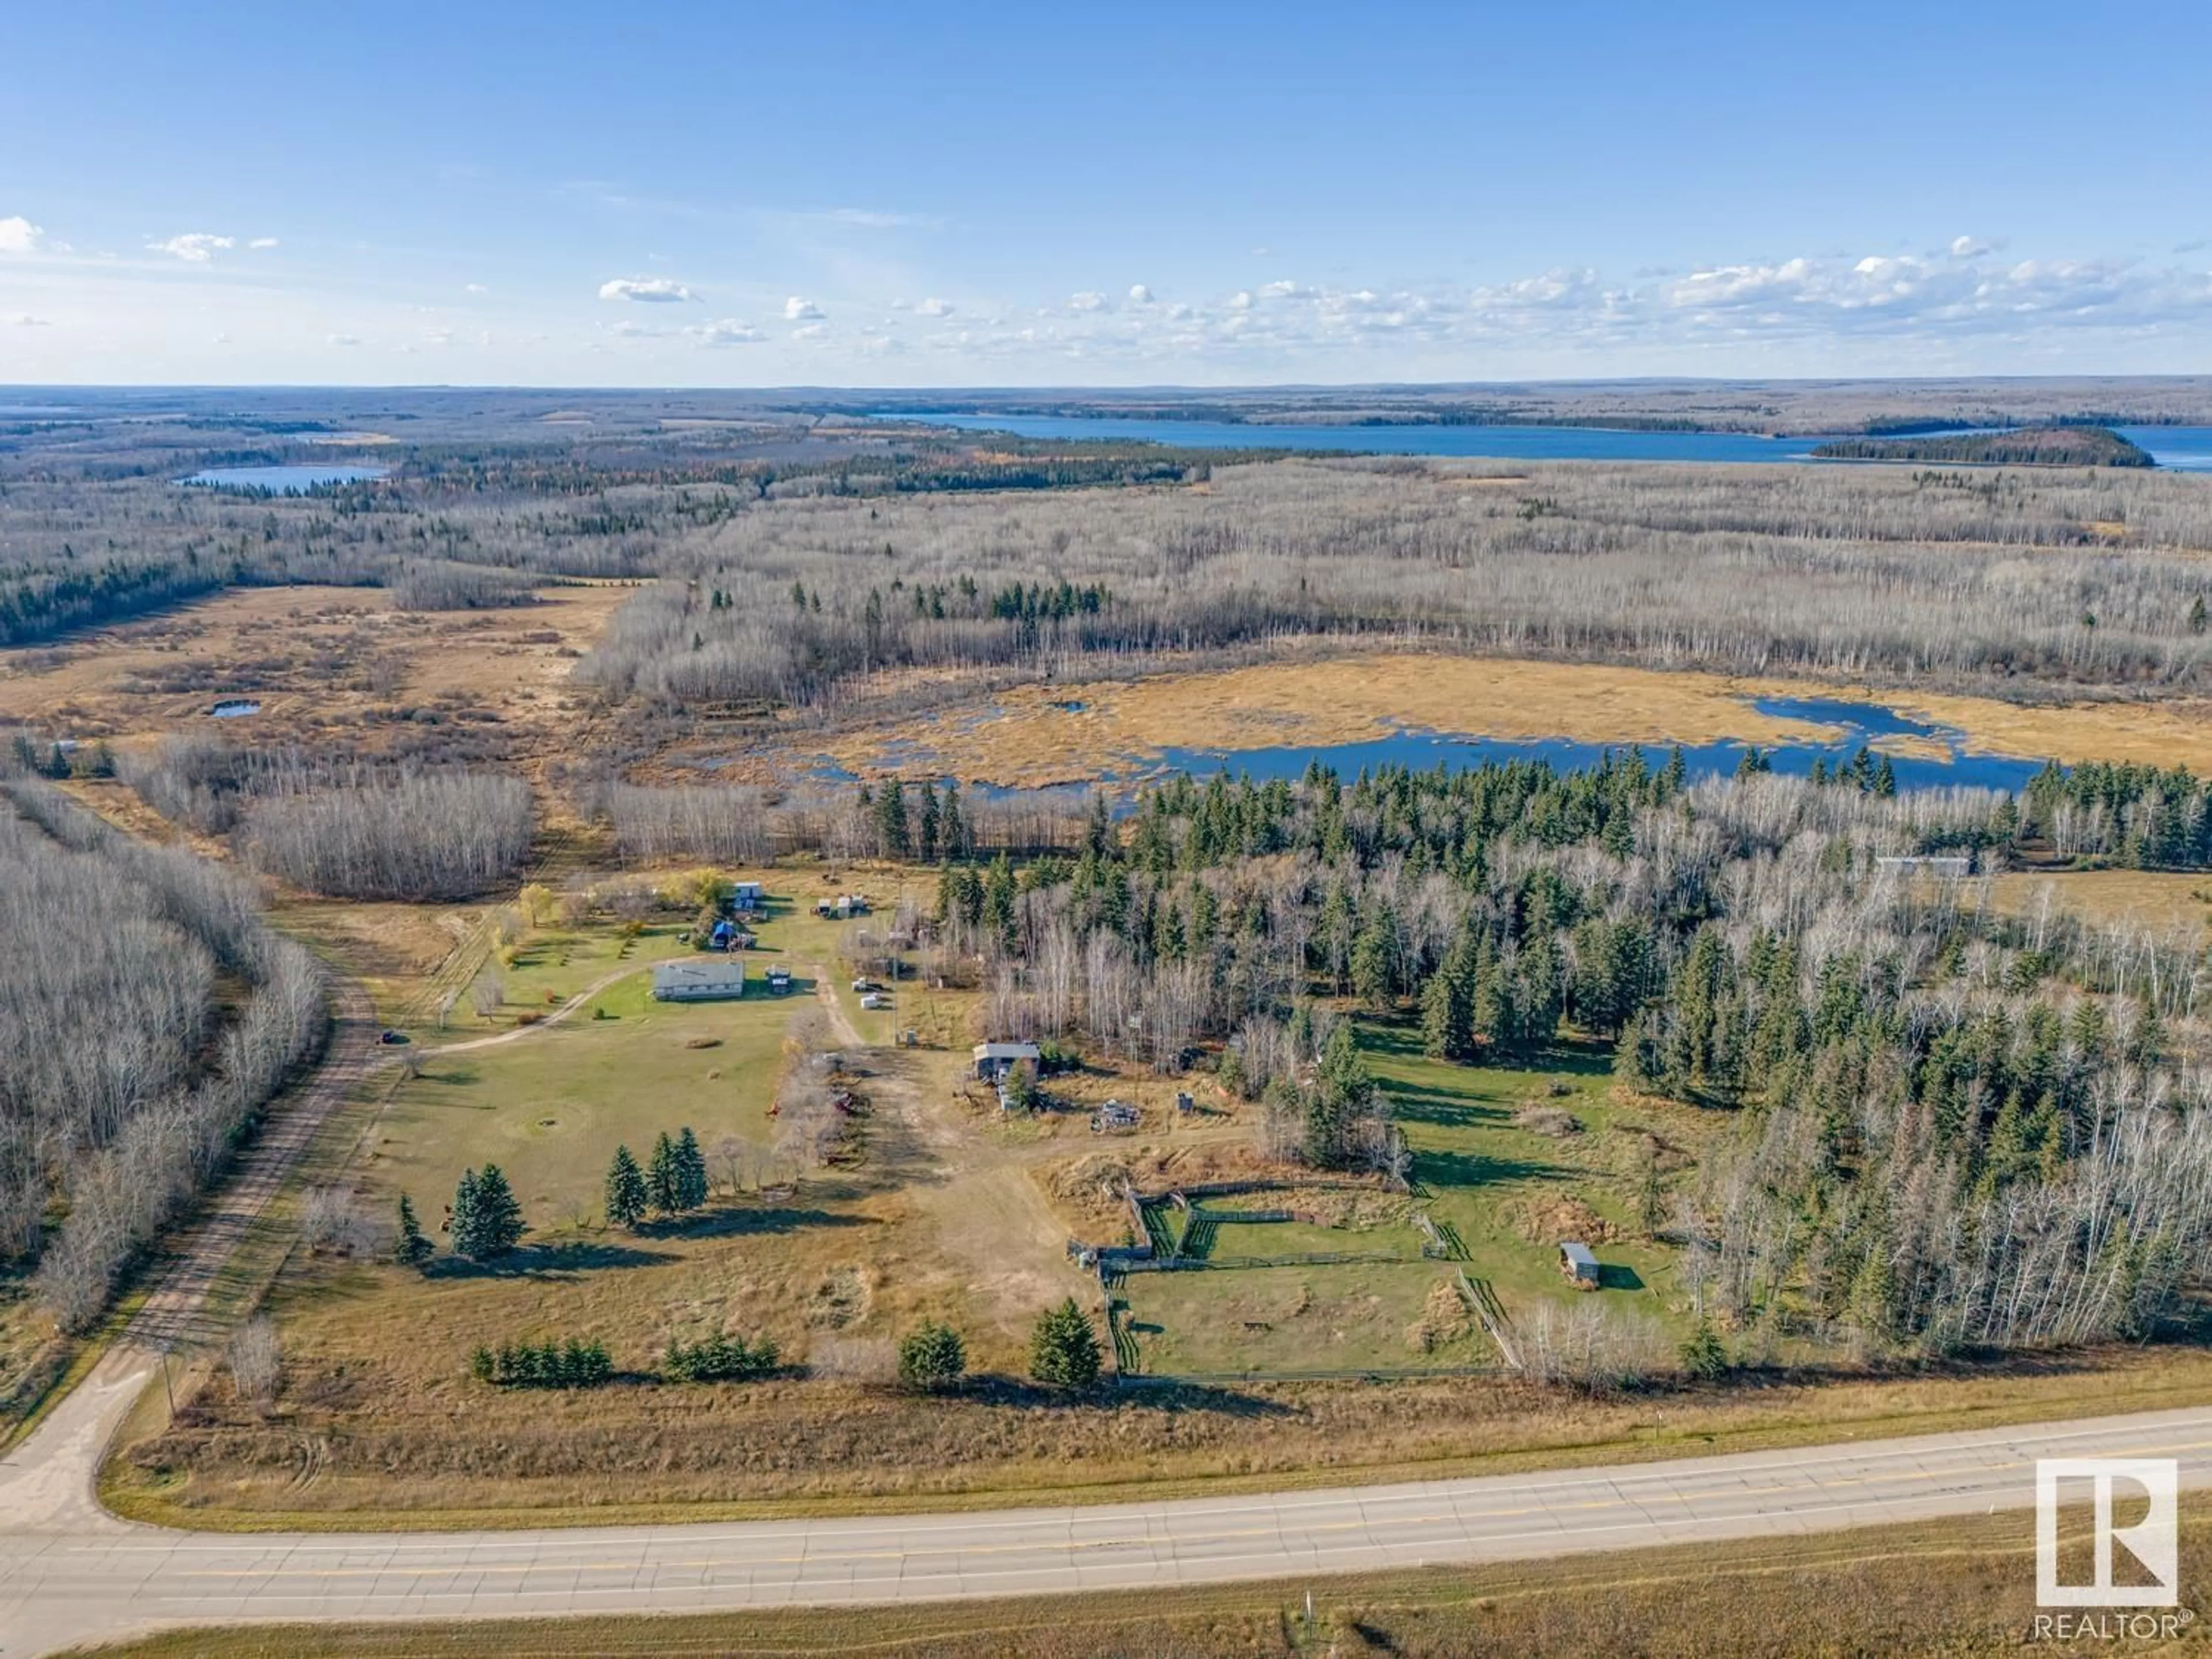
[1577, 1262]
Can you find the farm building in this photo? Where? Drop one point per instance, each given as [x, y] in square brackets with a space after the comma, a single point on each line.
[1576, 1263]
[843, 907]
[728, 936]
[779, 979]
[994, 1059]
[698, 981]
[748, 896]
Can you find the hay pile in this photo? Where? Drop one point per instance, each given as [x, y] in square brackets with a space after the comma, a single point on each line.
[1444, 1319]
[1553, 1218]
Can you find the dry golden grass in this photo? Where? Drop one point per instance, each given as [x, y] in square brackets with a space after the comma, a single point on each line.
[318, 658]
[1032, 740]
[401, 1440]
[2178, 733]
[1957, 1586]
[1027, 738]
[2158, 899]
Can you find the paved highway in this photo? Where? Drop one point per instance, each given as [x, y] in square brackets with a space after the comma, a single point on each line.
[69, 1573]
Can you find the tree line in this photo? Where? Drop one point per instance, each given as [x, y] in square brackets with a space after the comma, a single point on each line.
[123, 1090]
[360, 829]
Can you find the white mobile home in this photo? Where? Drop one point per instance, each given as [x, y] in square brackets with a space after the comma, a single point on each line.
[698, 981]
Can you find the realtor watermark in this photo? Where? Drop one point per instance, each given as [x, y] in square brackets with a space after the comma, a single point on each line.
[2133, 1569]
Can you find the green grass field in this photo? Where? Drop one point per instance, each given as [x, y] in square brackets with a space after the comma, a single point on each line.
[1270, 1320]
[1509, 1192]
[549, 1106]
[1498, 1182]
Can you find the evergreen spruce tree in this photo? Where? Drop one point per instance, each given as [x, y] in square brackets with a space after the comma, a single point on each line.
[1704, 1356]
[1375, 960]
[1099, 838]
[464, 1230]
[890, 820]
[1873, 1293]
[690, 1172]
[660, 1183]
[931, 1358]
[1063, 1348]
[927, 824]
[998, 901]
[1539, 1002]
[499, 1226]
[1440, 1003]
[953, 839]
[625, 1190]
[412, 1249]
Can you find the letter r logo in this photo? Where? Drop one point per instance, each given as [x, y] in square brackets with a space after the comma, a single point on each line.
[2153, 1541]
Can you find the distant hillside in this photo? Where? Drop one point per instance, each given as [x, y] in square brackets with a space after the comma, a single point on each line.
[2039, 446]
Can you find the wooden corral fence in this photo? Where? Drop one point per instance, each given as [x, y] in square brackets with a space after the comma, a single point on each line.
[1482, 1302]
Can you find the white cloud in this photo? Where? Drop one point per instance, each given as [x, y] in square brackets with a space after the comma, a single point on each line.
[935, 308]
[727, 332]
[873, 219]
[1139, 295]
[342, 339]
[812, 332]
[24, 320]
[796, 310]
[1087, 301]
[651, 290]
[1279, 291]
[262, 241]
[475, 287]
[19, 235]
[194, 248]
[1967, 247]
[1240, 301]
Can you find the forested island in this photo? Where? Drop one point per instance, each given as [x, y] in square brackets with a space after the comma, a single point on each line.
[2041, 446]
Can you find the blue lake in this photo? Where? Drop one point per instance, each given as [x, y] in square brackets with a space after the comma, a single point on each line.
[1862, 723]
[294, 479]
[1529, 443]
[2184, 447]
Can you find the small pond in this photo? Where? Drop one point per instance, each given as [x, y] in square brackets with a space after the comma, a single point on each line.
[291, 479]
[231, 709]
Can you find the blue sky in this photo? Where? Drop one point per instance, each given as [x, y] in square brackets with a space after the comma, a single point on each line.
[863, 194]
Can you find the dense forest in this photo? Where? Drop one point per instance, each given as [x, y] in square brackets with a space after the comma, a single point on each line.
[2042, 446]
[1912, 577]
[1951, 1129]
[377, 829]
[146, 1019]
